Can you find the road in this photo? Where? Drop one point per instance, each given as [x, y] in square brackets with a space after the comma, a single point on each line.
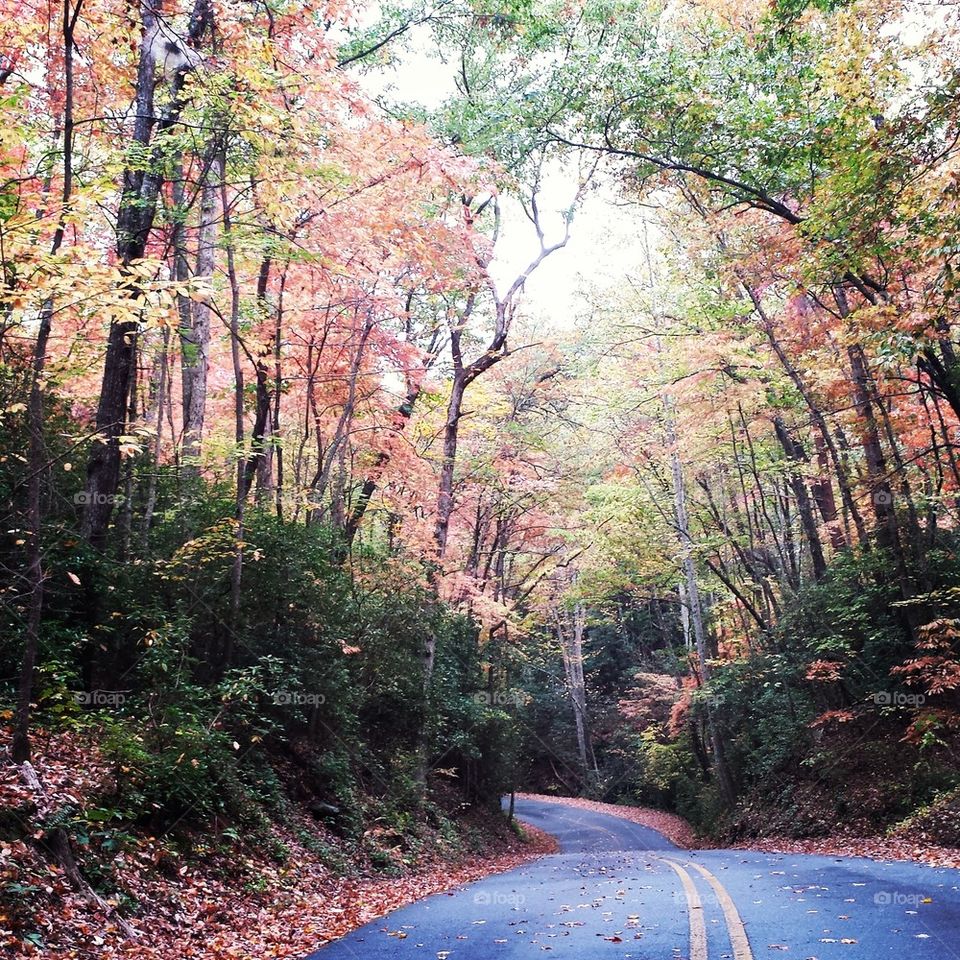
[621, 890]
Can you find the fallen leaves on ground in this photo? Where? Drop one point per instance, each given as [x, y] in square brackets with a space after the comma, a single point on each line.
[231, 901]
[876, 848]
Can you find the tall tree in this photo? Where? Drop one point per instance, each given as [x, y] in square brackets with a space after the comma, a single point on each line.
[175, 56]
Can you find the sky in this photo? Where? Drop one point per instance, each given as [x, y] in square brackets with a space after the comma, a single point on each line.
[606, 242]
[607, 236]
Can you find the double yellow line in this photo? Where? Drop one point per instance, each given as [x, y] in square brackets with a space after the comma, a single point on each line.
[698, 926]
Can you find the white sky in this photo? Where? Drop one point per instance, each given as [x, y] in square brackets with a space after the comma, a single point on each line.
[606, 242]
[606, 239]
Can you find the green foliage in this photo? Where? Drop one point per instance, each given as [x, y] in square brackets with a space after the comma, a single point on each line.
[765, 705]
[765, 708]
[205, 713]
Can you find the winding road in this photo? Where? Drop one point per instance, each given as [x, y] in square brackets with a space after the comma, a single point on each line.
[617, 889]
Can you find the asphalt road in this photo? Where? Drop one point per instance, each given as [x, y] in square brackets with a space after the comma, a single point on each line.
[620, 890]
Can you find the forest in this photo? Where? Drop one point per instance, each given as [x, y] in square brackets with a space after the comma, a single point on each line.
[408, 404]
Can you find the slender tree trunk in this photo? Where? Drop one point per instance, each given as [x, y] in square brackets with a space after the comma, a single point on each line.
[445, 501]
[125, 526]
[570, 627]
[878, 479]
[451, 432]
[465, 373]
[34, 552]
[336, 451]
[816, 415]
[822, 490]
[694, 604]
[782, 565]
[252, 463]
[796, 454]
[138, 204]
[894, 447]
[156, 417]
[195, 314]
[276, 449]
[372, 480]
[236, 573]
[943, 370]
[756, 575]
[36, 451]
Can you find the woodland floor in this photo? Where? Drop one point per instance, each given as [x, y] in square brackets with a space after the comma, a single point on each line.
[911, 848]
[225, 899]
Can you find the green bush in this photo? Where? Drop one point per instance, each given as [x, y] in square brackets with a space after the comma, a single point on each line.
[311, 685]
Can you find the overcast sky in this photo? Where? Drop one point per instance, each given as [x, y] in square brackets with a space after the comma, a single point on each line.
[607, 235]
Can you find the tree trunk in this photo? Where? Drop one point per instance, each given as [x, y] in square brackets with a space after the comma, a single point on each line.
[57, 841]
[570, 635]
[36, 450]
[336, 451]
[195, 316]
[694, 605]
[796, 454]
[823, 496]
[156, 417]
[451, 431]
[34, 554]
[138, 204]
[815, 413]
[878, 480]
[370, 483]
[240, 496]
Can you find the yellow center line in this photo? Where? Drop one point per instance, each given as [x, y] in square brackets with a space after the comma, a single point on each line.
[698, 927]
[738, 934]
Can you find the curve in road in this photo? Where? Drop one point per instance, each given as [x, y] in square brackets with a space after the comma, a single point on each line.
[617, 889]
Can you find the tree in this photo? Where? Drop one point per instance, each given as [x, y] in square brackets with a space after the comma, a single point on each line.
[137, 210]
